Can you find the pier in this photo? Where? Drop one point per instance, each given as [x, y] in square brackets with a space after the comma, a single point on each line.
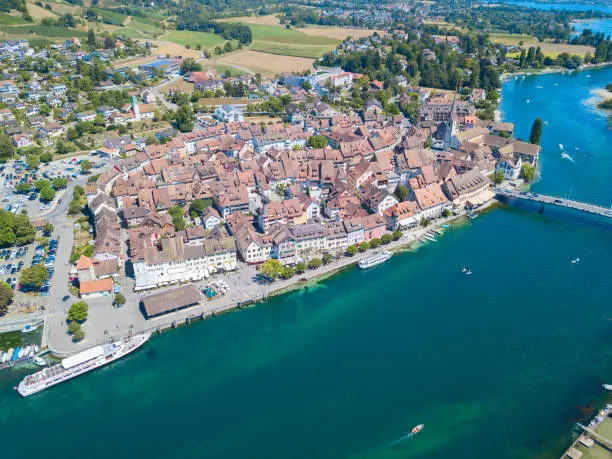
[555, 201]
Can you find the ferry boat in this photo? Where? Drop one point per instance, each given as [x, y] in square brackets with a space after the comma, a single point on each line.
[375, 259]
[80, 363]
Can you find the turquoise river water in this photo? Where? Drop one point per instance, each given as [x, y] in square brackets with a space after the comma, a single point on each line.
[499, 364]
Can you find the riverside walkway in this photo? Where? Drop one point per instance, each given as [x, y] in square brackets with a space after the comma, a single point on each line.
[555, 201]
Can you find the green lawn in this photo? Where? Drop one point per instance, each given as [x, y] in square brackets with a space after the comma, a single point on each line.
[291, 50]
[187, 37]
[7, 19]
[221, 69]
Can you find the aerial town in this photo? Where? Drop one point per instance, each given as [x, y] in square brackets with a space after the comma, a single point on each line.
[343, 170]
[167, 196]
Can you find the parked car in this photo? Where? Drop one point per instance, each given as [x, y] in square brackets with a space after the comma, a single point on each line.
[66, 298]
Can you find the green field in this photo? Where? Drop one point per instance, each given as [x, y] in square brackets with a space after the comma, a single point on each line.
[39, 42]
[221, 69]
[7, 19]
[187, 37]
[110, 17]
[282, 35]
[290, 50]
[512, 38]
[43, 31]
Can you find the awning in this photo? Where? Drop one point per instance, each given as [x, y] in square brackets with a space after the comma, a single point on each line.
[480, 198]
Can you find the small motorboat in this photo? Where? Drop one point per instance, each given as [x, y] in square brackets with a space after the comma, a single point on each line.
[464, 270]
[607, 386]
[5, 357]
[575, 260]
[445, 226]
[468, 273]
[561, 146]
[39, 361]
[26, 351]
[29, 328]
[528, 101]
[540, 86]
[418, 428]
[16, 354]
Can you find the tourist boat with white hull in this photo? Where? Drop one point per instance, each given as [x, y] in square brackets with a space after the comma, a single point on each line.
[375, 259]
[80, 363]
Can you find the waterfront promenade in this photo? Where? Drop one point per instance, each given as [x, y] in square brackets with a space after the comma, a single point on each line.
[106, 323]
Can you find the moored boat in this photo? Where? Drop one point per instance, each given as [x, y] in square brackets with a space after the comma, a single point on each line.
[375, 259]
[29, 328]
[80, 363]
[39, 361]
[16, 354]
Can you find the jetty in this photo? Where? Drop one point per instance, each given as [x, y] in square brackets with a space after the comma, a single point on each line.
[555, 201]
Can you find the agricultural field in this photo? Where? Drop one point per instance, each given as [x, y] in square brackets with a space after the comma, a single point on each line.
[187, 37]
[339, 33]
[266, 64]
[290, 50]
[42, 31]
[171, 49]
[7, 19]
[282, 35]
[269, 19]
[554, 49]
[38, 13]
[512, 39]
[62, 8]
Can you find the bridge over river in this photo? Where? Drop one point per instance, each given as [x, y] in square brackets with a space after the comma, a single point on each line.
[555, 201]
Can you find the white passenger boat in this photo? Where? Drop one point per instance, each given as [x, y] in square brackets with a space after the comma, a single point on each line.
[80, 363]
[374, 259]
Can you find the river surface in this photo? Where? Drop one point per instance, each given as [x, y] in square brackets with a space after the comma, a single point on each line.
[499, 364]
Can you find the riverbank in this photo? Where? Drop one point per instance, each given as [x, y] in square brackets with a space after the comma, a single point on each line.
[249, 293]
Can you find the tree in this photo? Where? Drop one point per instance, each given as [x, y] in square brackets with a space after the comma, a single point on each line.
[351, 250]
[446, 213]
[46, 157]
[386, 238]
[24, 230]
[86, 166]
[327, 258]
[73, 327]
[306, 85]
[498, 177]
[402, 192]
[48, 228]
[43, 241]
[375, 242]
[78, 312]
[119, 299]
[536, 132]
[59, 182]
[47, 194]
[425, 221]
[33, 161]
[23, 187]
[6, 296]
[315, 263]
[34, 276]
[316, 141]
[176, 212]
[190, 65]
[7, 149]
[287, 272]
[364, 246]
[61, 148]
[198, 206]
[91, 38]
[184, 119]
[300, 267]
[527, 172]
[271, 269]
[397, 234]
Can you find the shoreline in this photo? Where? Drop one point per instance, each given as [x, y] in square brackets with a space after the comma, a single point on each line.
[506, 77]
[205, 310]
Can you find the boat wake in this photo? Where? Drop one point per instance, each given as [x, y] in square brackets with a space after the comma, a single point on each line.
[568, 157]
[408, 436]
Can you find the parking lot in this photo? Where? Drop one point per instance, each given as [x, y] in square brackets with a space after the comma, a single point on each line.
[14, 172]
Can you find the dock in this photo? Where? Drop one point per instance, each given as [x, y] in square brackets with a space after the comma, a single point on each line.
[595, 441]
